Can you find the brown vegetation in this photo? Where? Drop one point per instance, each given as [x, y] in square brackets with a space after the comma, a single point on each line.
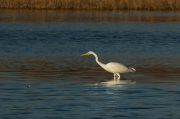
[91, 4]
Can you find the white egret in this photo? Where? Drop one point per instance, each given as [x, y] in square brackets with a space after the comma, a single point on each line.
[112, 67]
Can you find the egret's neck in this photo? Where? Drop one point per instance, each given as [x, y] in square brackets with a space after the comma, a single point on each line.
[101, 64]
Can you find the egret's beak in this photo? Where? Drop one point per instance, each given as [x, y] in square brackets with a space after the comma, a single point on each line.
[85, 54]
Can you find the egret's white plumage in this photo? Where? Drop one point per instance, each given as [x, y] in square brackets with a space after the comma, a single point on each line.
[112, 67]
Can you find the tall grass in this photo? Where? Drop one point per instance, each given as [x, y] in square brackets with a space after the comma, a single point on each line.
[91, 4]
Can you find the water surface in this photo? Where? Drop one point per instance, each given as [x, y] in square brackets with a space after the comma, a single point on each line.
[42, 74]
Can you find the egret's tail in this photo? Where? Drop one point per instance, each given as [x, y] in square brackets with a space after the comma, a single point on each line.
[131, 69]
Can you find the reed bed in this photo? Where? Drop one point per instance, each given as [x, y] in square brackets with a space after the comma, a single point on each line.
[92, 4]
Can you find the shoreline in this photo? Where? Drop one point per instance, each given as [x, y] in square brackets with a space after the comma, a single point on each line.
[21, 15]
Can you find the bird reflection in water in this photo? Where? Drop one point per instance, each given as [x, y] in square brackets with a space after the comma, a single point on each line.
[117, 80]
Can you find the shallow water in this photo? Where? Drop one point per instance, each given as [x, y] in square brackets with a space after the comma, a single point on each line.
[42, 74]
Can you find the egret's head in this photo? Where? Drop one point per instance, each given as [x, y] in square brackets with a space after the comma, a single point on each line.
[88, 53]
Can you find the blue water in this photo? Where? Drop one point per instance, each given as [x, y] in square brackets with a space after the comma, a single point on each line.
[82, 99]
[42, 74]
[72, 38]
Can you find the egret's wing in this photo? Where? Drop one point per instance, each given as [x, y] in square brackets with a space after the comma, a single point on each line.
[117, 67]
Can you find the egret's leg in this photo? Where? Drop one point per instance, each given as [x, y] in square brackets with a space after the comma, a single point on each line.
[118, 75]
[118, 78]
[114, 76]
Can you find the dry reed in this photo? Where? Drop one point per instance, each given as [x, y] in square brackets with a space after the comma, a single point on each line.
[92, 4]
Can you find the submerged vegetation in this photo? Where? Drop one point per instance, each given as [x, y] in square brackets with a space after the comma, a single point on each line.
[92, 4]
